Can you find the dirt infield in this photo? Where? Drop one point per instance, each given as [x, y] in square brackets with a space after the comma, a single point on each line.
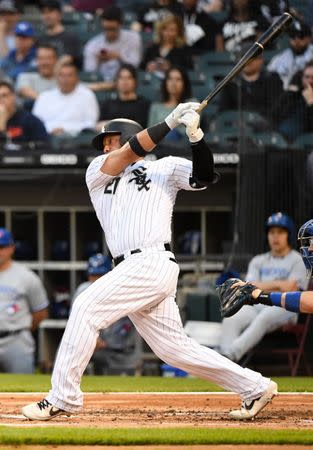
[165, 410]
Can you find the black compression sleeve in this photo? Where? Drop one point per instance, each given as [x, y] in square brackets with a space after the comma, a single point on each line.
[136, 146]
[158, 132]
[203, 163]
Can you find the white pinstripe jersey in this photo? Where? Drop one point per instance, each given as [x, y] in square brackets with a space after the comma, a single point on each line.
[135, 208]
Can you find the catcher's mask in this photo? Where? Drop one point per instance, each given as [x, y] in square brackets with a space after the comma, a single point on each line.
[283, 221]
[126, 128]
[305, 241]
[99, 264]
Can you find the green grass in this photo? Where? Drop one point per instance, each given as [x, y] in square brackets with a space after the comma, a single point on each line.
[41, 383]
[146, 436]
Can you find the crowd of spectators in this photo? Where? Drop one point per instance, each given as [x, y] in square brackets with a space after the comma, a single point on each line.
[75, 64]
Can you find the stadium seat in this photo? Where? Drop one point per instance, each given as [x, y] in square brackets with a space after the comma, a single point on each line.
[231, 119]
[201, 84]
[303, 142]
[268, 55]
[104, 95]
[84, 138]
[212, 57]
[75, 17]
[208, 114]
[230, 137]
[90, 77]
[148, 85]
[270, 139]
[147, 38]
[84, 36]
[214, 64]
[76, 22]
[217, 72]
[129, 17]
[220, 16]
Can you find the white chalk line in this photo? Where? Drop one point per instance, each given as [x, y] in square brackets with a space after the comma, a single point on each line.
[17, 394]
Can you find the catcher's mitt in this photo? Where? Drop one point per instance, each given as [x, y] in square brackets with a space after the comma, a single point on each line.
[233, 298]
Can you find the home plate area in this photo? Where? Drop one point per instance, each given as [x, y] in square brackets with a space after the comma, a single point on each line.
[107, 410]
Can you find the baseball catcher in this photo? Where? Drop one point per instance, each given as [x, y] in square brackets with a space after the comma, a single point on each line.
[235, 293]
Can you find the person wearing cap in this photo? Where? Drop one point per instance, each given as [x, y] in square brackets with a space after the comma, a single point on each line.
[115, 351]
[9, 16]
[23, 305]
[23, 57]
[70, 107]
[280, 269]
[98, 265]
[293, 59]
[55, 34]
[105, 52]
[17, 125]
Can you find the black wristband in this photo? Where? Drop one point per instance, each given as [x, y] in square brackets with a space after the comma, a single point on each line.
[136, 146]
[158, 132]
[264, 299]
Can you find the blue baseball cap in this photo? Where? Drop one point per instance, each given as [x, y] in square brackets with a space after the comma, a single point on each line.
[24, 29]
[99, 264]
[6, 238]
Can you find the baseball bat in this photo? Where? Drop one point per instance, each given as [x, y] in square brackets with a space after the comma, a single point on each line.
[255, 50]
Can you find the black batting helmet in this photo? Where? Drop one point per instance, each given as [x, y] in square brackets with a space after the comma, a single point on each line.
[126, 128]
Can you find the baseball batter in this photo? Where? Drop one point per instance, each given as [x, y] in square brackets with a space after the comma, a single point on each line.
[133, 199]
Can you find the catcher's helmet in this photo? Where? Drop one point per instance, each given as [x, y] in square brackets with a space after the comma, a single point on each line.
[283, 221]
[305, 240]
[126, 128]
[99, 264]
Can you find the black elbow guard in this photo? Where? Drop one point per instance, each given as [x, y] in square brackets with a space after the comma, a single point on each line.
[203, 164]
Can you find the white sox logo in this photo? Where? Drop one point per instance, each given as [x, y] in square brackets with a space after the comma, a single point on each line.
[140, 178]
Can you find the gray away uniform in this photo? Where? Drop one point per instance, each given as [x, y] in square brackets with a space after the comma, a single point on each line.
[21, 294]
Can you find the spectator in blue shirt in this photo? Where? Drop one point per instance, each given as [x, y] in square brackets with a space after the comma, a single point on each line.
[18, 125]
[22, 58]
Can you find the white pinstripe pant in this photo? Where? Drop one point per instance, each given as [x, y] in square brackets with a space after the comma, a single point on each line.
[143, 287]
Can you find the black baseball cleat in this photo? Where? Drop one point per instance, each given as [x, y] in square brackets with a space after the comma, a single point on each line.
[42, 410]
[249, 409]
